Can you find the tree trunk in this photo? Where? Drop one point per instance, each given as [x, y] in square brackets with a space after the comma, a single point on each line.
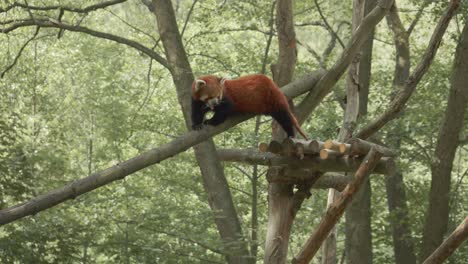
[358, 242]
[396, 198]
[447, 142]
[214, 180]
[396, 195]
[280, 196]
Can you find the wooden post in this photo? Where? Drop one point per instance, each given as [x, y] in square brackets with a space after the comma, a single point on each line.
[336, 210]
[449, 245]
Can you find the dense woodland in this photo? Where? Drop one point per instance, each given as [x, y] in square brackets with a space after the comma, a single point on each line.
[100, 89]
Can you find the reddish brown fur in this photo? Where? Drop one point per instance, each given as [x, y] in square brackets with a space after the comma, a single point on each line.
[251, 94]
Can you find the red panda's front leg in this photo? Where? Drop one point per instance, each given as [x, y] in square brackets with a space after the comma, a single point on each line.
[199, 110]
[221, 112]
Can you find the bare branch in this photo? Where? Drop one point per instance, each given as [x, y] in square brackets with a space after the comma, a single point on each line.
[398, 103]
[417, 17]
[66, 8]
[312, 100]
[20, 52]
[121, 170]
[188, 18]
[50, 23]
[329, 28]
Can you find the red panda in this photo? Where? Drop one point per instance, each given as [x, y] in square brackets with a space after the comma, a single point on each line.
[255, 94]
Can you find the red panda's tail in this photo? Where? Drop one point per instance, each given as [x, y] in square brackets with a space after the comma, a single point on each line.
[296, 125]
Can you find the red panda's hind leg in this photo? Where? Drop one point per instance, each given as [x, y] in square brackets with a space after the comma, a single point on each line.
[284, 119]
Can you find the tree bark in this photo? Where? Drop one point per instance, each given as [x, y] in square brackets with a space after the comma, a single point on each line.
[358, 241]
[214, 180]
[312, 100]
[399, 101]
[281, 198]
[447, 143]
[403, 246]
[314, 163]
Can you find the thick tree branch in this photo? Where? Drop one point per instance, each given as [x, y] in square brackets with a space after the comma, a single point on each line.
[50, 23]
[314, 163]
[120, 171]
[398, 103]
[312, 100]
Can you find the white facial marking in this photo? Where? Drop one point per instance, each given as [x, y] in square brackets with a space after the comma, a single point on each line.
[203, 97]
[213, 102]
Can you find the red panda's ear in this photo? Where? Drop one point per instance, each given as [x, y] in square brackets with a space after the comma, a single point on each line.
[199, 83]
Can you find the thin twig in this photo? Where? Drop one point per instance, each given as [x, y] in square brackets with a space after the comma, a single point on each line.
[327, 24]
[20, 52]
[188, 18]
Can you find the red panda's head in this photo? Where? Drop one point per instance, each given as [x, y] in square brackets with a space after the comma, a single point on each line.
[208, 89]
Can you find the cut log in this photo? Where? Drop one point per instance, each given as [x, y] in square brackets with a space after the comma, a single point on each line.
[329, 154]
[263, 147]
[332, 144]
[275, 147]
[315, 146]
[344, 148]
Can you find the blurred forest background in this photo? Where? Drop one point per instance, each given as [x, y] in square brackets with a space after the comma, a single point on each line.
[72, 104]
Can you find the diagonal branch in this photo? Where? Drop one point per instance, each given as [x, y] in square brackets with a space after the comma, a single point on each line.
[151, 157]
[19, 53]
[327, 25]
[50, 23]
[336, 210]
[398, 103]
[324, 87]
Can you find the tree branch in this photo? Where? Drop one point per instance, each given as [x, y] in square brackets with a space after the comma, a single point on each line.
[65, 8]
[19, 53]
[336, 210]
[326, 84]
[327, 25]
[398, 103]
[153, 156]
[51, 23]
[313, 163]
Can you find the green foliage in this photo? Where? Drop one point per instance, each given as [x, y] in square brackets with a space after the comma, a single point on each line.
[75, 105]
